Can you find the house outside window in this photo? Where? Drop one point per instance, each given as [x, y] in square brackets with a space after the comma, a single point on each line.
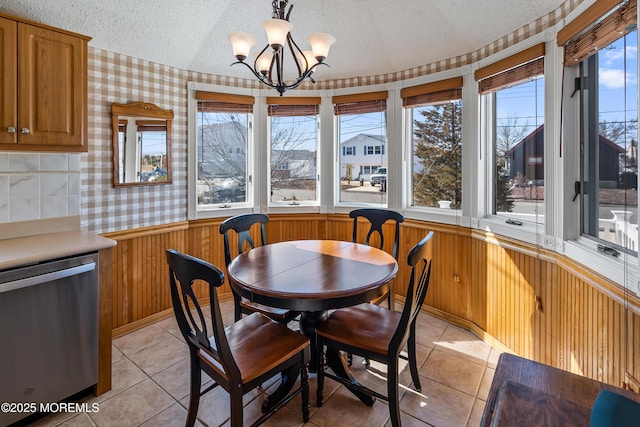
[362, 125]
[516, 85]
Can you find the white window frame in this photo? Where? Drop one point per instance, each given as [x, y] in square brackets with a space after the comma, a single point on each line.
[458, 217]
[216, 210]
[305, 205]
[486, 220]
[625, 269]
[394, 103]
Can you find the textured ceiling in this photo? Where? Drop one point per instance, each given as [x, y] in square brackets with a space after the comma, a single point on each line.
[373, 36]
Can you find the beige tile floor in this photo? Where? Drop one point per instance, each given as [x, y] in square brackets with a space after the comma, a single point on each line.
[151, 385]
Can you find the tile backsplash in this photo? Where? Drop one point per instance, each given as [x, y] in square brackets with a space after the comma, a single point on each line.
[39, 186]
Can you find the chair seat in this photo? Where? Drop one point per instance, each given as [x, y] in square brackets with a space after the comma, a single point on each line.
[258, 344]
[273, 312]
[365, 326]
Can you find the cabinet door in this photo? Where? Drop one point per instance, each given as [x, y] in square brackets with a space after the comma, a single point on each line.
[52, 89]
[8, 81]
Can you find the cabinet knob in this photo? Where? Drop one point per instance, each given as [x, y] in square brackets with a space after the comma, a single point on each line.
[11, 129]
[24, 131]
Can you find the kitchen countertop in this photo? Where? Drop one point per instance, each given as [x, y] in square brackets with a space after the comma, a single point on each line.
[21, 251]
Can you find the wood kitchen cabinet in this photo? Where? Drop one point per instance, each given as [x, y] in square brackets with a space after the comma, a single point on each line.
[43, 77]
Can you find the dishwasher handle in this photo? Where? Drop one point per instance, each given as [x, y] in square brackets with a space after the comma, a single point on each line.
[47, 277]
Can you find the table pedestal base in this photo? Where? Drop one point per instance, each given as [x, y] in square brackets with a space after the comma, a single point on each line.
[337, 363]
[308, 322]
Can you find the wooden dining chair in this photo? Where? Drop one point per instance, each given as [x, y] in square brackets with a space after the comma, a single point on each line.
[239, 357]
[377, 218]
[241, 226]
[380, 334]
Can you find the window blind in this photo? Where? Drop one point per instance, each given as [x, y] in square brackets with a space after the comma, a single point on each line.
[209, 102]
[151, 125]
[295, 106]
[594, 12]
[361, 103]
[429, 93]
[614, 25]
[514, 69]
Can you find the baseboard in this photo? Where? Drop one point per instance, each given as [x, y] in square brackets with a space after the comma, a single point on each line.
[463, 323]
[150, 320]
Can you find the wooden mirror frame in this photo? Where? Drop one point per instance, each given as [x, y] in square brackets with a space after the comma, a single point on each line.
[142, 110]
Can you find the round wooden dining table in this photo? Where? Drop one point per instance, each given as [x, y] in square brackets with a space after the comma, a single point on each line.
[313, 277]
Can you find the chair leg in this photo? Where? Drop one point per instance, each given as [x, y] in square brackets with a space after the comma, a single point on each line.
[194, 394]
[320, 374]
[304, 380]
[390, 299]
[413, 361]
[392, 393]
[235, 396]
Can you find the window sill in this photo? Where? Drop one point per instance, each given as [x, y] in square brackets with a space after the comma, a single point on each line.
[444, 216]
[218, 211]
[302, 207]
[528, 232]
[623, 269]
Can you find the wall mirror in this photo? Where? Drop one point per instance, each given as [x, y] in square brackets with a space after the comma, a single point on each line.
[141, 144]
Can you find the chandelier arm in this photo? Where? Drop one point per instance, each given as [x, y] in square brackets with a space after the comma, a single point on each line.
[274, 60]
[306, 75]
[289, 12]
[280, 68]
[257, 74]
[291, 44]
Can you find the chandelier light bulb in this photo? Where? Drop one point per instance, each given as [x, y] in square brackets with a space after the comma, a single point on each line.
[320, 45]
[277, 30]
[264, 62]
[241, 44]
[308, 55]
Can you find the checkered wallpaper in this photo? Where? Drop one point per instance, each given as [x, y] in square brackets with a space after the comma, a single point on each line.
[118, 78]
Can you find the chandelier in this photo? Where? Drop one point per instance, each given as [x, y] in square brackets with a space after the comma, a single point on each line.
[268, 66]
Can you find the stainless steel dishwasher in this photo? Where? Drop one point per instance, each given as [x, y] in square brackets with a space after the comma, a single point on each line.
[48, 331]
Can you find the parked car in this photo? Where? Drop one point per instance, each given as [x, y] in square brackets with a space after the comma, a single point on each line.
[378, 176]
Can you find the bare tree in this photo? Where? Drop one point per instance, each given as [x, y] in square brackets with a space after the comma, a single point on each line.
[618, 131]
[222, 160]
[508, 134]
[287, 150]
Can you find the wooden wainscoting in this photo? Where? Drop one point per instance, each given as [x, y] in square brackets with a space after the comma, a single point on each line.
[520, 298]
[140, 275]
